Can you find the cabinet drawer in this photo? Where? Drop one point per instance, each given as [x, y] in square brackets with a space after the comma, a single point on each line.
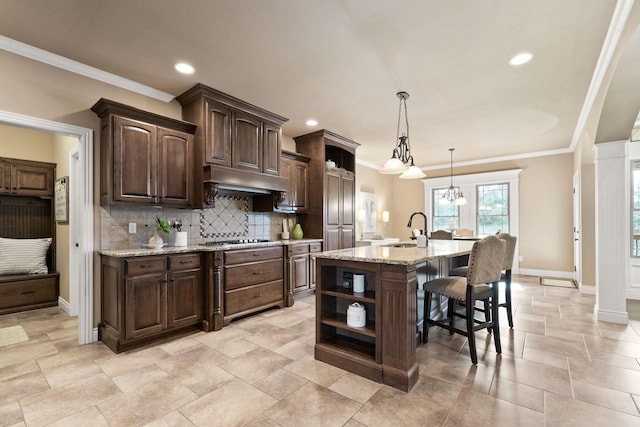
[315, 247]
[146, 265]
[298, 249]
[237, 276]
[28, 292]
[249, 255]
[252, 296]
[183, 262]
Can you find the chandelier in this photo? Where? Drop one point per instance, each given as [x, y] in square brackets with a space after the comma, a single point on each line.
[452, 195]
[401, 160]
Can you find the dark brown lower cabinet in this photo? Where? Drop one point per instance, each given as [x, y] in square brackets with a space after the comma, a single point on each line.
[145, 298]
[253, 281]
[300, 268]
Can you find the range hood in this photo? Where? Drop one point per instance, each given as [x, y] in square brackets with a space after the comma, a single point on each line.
[217, 178]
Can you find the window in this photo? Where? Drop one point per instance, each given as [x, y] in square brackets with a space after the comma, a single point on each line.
[445, 215]
[493, 208]
[635, 208]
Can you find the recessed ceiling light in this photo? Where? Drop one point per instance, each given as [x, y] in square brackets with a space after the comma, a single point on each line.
[521, 58]
[312, 122]
[184, 68]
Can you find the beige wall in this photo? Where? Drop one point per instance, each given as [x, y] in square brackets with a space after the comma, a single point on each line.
[28, 144]
[370, 181]
[546, 221]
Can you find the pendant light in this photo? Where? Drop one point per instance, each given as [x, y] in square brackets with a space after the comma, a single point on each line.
[401, 161]
[452, 195]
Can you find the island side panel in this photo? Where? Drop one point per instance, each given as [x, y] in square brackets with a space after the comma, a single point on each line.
[398, 305]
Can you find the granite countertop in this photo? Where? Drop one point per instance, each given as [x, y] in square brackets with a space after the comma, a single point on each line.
[167, 250]
[401, 255]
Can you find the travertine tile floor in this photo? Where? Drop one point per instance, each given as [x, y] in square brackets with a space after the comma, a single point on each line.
[559, 367]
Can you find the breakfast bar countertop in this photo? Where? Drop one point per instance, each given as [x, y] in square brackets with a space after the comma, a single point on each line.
[402, 253]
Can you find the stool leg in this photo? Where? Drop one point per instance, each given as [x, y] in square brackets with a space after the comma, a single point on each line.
[471, 329]
[496, 318]
[426, 316]
[507, 292]
[451, 307]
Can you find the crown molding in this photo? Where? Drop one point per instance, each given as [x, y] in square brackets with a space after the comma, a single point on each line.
[76, 67]
[618, 22]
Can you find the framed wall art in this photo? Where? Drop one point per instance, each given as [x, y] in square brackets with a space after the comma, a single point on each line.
[62, 200]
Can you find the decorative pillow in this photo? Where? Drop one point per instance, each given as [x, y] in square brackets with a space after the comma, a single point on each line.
[24, 256]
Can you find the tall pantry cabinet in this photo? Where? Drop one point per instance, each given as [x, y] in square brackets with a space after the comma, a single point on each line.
[331, 214]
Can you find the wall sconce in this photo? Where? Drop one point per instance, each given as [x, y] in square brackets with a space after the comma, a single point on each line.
[385, 221]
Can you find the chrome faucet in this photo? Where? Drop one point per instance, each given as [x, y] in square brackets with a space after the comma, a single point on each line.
[425, 222]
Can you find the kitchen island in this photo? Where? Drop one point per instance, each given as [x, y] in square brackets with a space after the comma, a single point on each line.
[384, 350]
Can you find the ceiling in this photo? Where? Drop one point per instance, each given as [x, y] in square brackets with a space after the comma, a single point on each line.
[341, 62]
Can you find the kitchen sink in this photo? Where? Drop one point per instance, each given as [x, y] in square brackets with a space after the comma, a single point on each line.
[402, 245]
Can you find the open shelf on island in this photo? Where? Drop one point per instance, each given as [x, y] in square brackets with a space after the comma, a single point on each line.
[340, 321]
[338, 291]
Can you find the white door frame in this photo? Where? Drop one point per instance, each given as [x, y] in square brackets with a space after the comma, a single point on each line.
[577, 239]
[74, 246]
[84, 208]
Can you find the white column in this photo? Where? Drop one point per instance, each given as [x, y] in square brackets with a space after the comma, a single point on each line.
[612, 204]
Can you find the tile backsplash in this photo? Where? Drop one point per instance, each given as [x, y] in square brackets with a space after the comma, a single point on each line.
[231, 219]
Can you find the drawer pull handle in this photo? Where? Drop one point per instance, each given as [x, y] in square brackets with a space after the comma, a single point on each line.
[256, 254]
[186, 262]
[27, 293]
[257, 296]
[146, 265]
[255, 273]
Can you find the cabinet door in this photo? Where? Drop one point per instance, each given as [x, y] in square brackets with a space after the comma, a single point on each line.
[146, 305]
[175, 168]
[271, 142]
[300, 272]
[332, 237]
[289, 197]
[347, 214]
[31, 180]
[247, 142]
[135, 161]
[5, 178]
[333, 199]
[312, 271]
[184, 299]
[347, 202]
[218, 134]
[300, 198]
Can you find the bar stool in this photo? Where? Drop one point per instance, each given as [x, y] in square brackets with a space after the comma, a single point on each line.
[507, 264]
[480, 284]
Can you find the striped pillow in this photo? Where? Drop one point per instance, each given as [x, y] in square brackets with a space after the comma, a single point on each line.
[24, 256]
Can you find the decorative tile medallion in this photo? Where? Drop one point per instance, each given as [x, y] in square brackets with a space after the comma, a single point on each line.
[230, 217]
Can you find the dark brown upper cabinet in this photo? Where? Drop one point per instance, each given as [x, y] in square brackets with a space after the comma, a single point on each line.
[145, 158]
[26, 178]
[236, 144]
[293, 166]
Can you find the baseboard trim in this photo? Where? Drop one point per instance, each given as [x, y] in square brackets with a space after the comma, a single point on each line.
[587, 290]
[547, 273]
[94, 335]
[611, 316]
[64, 305]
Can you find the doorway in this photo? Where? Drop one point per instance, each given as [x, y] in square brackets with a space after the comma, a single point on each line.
[577, 259]
[80, 202]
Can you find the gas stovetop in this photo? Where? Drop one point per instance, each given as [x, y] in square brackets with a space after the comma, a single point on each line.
[236, 242]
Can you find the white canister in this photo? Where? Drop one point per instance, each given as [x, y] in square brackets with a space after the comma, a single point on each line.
[356, 315]
[358, 283]
[421, 240]
[181, 238]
